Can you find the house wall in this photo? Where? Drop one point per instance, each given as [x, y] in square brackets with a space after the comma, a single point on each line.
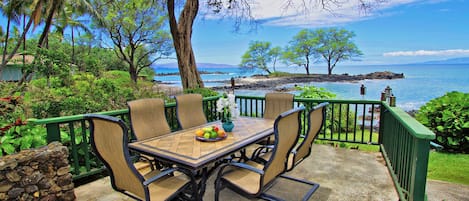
[11, 73]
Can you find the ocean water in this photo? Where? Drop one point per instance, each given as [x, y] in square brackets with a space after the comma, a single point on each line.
[421, 83]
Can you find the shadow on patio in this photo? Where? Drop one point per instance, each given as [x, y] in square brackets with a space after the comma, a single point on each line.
[343, 174]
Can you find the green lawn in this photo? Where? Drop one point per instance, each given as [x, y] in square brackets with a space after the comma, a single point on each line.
[448, 167]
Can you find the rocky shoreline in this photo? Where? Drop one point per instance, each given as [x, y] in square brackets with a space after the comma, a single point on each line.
[264, 82]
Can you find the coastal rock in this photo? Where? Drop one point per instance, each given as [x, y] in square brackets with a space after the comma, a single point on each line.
[273, 83]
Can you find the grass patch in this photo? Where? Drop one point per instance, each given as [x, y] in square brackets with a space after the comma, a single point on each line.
[449, 167]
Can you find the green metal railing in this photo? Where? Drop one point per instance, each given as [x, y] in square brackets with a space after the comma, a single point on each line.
[405, 144]
[353, 121]
[403, 141]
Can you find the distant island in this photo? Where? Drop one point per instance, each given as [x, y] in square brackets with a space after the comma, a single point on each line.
[460, 60]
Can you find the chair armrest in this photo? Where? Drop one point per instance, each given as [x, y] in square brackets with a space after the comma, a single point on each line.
[247, 167]
[258, 150]
[159, 176]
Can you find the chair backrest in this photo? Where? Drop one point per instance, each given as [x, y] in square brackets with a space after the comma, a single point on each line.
[147, 118]
[109, 141]
[189, 109]
[286, 130]
[316, 118]
[276, 103]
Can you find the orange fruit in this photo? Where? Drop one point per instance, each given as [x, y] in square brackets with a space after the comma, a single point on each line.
[221, 133]
[199, 133]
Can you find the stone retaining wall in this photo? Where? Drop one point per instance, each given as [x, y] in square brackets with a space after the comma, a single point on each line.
[37, 174]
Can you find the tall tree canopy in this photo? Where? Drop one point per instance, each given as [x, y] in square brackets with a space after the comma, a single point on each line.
[257, 56]
[336, 45]
[136, 30]
[301, 50]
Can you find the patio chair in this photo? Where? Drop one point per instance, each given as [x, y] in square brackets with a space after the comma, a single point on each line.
[316, 117]
[189, 110]
[147, 118]
[253, 179]
[275, 104]
[302, 150]
[109, 142]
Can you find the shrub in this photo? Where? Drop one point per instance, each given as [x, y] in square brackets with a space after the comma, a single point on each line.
[205, 92]
[86, 94]
[448, 117]
[15, 134]
[338, 109]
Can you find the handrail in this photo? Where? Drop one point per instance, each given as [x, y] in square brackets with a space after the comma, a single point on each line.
[415, 128]
[405, 145]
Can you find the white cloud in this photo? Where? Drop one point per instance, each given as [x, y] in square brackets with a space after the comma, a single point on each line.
[310, 13]
[454, 52]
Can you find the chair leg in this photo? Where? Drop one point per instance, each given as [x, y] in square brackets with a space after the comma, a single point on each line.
[311, 191]
[218, 188]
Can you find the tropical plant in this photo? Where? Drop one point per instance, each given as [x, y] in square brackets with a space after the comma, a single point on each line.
[448, 117]
[338, 110]
[15, 133]
[85, 93]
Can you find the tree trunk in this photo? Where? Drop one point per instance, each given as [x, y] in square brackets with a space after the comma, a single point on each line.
[182, 34]
[133, 72]
[307, 65]
[45, 32]
[7, 36]
[17, 46]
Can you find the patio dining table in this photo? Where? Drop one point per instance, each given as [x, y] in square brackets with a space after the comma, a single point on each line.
[182, 149]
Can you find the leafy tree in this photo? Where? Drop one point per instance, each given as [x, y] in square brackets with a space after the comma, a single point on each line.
[301, 50]
[135, 28]
[336, 45]
[275, 54]
[257, 56]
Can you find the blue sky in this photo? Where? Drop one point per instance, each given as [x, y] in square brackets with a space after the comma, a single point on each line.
[400, 31]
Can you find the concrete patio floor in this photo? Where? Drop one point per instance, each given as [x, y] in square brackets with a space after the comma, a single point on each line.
[343, 174]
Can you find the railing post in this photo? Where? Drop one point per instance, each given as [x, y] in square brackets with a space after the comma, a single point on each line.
[53, 132]
[419, 170]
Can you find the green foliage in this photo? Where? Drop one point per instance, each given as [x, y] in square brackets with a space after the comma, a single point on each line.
[279, 74]
[258, 56]
[448, 117]
[336, 45]
[315, 92]
[338, 110]
[15, 133]
[301, 49]
[136, 28]
[205, 92]
[86, 94]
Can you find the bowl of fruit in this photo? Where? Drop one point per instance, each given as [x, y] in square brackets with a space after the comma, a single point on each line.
[210, 134]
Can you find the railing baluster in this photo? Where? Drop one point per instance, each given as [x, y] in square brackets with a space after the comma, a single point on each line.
[76, 162]
[85, 147]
